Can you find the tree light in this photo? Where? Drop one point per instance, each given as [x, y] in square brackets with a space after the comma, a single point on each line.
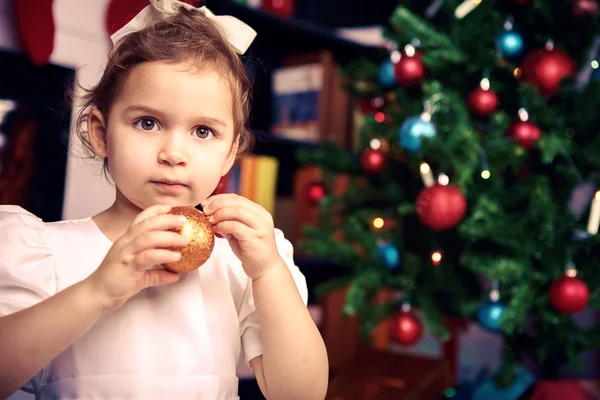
[436, 257]
[378, 223]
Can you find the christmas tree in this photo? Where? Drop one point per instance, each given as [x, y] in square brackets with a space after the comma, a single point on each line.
[471, 189]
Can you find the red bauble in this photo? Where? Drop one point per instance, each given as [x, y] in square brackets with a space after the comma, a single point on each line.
[371, 106]
[482, 103]
[373, 161]
[406, 329]
[409, 71]
[35, 24]
[545, 69]
[315, 192]
[584, 8]
[281, 8]
[527, 133]
[568, 295]
[441, 207]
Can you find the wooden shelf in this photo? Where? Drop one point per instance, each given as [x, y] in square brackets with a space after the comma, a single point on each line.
[292, 36]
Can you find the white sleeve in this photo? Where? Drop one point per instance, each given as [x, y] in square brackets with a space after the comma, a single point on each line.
[27, 272]
[249, 326]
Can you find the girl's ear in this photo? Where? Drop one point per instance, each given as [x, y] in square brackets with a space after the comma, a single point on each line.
[96, 125]
[231, 157]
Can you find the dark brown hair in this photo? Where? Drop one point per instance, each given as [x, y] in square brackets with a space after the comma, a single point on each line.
[186, 36]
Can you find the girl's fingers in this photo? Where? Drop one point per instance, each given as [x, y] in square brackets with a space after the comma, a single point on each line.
[156, 239]
[157, 223]
[149, 258]
[152, 211]
[236, 213]
[158, 277]
[236, 229]
[228, 200]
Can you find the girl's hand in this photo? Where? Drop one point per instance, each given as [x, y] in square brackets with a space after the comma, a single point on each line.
[249, 229]
[126, 269]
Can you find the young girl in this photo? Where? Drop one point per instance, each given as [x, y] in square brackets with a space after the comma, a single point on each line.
[84, 311]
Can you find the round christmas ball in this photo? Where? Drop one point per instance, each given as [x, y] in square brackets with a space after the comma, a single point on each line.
[389, 255]
[315, 192]
[201, 242]
[441, 207]
[373, 161]
[545, 69]
[482, 103]
[412, 130]
[584, 8]
[509, 44]
[490, 314]
[568, 295]
[525, 132]
[386, 74]
[406, 329]
[409, 71]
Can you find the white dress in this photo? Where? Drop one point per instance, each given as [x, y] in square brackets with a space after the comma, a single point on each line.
[179, 341]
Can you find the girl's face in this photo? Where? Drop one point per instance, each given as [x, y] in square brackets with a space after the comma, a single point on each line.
[169, 135]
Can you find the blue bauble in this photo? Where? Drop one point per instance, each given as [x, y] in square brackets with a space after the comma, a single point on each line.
[490, 314]
[509, 44]
[412, 130]
[389, 254]
[387, 76]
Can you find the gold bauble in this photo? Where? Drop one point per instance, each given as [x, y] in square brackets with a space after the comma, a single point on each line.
[201, 242]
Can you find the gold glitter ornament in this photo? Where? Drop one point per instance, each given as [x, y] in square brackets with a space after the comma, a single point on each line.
[201, 242]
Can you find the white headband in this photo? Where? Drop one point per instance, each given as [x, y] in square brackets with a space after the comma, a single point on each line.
[238, 34]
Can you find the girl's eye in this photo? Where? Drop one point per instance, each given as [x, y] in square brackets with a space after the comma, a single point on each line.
[203, 132]
[146, 124]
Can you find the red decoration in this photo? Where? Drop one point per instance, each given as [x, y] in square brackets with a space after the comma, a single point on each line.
[35, 25]
[584, 8]
[406, 329]
[120, 12]
[568, 295]
[409, 71]
[527, 133]
[545, 69]
[373, 161]
[441, 207]
[482, 103]
[315, 193]
[281, 8]
[371, 106]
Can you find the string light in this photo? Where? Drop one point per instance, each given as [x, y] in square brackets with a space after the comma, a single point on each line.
[443, 179]
[426, 175]
[465, 8]
[379, 117]
[485, 168]
[594, 218]
[436, 257]
[409, 50]
[523, 114]
[375, 144]
[495, 293]
[485, 84]
[378, 223]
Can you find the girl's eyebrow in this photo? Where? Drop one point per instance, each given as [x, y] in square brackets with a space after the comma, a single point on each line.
[145, 109]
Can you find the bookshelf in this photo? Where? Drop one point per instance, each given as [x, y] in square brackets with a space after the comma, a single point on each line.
[278, 41]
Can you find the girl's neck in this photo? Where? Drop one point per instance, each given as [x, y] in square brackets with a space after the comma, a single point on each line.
[115, 220]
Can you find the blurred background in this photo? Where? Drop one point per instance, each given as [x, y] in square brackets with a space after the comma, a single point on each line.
[434, 163]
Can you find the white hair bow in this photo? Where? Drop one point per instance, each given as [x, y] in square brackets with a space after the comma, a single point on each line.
[238, 33]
